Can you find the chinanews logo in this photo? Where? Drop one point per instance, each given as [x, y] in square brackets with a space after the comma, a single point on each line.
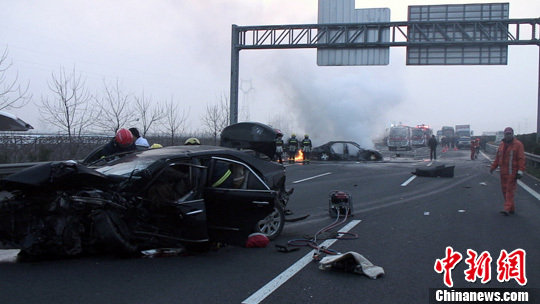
[508, 265]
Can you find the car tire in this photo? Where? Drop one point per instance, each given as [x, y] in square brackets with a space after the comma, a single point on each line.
[272, 224]
[324, 156]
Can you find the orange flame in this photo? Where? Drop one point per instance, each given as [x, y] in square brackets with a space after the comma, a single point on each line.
[299, 156]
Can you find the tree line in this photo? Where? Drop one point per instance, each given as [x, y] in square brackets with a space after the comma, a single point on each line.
[73, 110]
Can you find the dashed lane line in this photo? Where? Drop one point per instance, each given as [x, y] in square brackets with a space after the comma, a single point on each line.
[309, 178]
[271, 286]
[408, 181]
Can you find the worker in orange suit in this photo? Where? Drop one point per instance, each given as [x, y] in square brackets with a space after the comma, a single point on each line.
[473, 149]
[511, 159]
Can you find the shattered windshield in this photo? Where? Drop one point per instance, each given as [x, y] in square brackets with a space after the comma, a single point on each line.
[125, 168]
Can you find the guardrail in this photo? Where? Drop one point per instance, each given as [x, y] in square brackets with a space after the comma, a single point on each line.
[532, 160]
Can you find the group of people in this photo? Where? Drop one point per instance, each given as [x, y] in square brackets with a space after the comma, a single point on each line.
[510, 155]
[432, 144]
[293, 145]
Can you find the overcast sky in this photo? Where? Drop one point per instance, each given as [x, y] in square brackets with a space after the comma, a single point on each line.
[181, 48]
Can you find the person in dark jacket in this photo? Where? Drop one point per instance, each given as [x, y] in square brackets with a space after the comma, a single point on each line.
[306, 149]
[292, 143]
[432, 143]
[279, 148]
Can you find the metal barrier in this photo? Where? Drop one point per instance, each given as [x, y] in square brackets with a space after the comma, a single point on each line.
[532, 160]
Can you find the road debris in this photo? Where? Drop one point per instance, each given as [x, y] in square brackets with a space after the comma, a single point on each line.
[351, 262]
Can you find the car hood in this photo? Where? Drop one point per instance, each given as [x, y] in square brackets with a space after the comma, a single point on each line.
[250, 135]
[54, 175]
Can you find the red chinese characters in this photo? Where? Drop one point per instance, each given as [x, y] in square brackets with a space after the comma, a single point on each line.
[447, 264]
[509, 266]
[479, 266]
[512, 266]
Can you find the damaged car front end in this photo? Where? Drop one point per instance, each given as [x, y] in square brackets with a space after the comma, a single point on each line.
[151, 199]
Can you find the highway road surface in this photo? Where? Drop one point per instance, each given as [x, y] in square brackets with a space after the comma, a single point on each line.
[401, 223]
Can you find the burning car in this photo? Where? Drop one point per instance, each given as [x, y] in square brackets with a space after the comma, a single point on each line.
[345, 150]
[184, 196]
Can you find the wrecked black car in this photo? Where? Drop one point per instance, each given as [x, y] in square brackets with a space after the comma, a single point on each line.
[345, 150]
[184, 196]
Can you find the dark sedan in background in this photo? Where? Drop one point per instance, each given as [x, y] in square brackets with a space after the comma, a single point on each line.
[344, 150]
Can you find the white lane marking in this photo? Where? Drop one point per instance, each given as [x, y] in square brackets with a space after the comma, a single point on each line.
[484, 155]
[271, 286]
[528, 189]
[8, 255]
[305, 179]
[408, 181]
[522, 184]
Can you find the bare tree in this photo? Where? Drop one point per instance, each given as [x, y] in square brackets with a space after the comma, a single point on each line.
[175, 119]
[216, 117]
[12, 94]
[148, 114]
[69, 109]
[116, 109]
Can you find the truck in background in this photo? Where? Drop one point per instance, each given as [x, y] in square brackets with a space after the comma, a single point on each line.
[447, 139]
[463, 134]
[399, 137]
[417, 137]
[421, 135]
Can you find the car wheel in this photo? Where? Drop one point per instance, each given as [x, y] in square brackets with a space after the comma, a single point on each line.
[324, 156]
[273, 223]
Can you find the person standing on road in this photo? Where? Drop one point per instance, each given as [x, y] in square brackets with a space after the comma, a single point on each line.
[432, 143]
[511, 159]
[279, 147]
[306, 148]
[473, 149]
[293, 147]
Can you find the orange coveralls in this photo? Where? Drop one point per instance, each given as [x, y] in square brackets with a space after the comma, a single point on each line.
[473, 149]
[511, 158]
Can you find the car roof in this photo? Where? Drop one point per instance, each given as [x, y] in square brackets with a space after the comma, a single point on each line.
[204, 150]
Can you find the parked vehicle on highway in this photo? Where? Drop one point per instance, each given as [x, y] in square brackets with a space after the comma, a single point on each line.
[420, 135]
[344, 150]
[188, 196]
[463, 134]
[399, 138]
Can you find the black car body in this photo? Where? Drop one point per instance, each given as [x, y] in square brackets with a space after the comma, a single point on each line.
[345, 150]
[157, 198]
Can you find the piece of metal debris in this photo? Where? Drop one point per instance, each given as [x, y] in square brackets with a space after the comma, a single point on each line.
[351, 262]
[162, 252]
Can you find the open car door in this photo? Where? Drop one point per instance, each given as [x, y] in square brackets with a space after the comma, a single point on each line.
[177, 193]
[236, 200]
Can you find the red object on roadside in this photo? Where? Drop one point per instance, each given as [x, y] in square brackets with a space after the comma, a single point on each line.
[257, 240]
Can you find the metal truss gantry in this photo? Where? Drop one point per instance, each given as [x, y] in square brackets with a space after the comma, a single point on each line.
[479, 33]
